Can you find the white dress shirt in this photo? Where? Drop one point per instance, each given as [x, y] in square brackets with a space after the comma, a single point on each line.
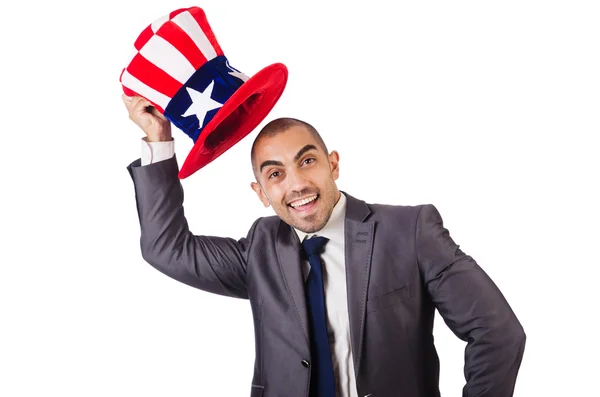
[334, 278]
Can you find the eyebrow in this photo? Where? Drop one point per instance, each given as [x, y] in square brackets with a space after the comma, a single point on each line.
[305, 149]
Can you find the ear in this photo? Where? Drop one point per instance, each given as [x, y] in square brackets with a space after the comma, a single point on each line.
[334, 164]
[259, 192]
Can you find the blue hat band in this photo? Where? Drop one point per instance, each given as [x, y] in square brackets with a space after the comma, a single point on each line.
[203, 95]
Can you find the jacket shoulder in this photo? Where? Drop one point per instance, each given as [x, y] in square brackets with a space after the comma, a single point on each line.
[407, 215]
[265, 228]
[379, 209]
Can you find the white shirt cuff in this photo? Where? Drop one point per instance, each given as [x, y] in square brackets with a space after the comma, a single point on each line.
[153, 152]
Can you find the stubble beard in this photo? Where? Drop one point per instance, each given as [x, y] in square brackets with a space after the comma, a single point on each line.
[307, 225]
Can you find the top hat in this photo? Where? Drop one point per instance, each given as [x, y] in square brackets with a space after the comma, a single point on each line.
[178, 65]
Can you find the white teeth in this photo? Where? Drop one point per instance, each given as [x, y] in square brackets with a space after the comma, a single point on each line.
[305, 201]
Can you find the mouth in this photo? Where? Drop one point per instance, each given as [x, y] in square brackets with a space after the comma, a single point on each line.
[304, 204]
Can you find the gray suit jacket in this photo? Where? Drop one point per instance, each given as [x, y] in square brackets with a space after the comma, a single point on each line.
[401, 265]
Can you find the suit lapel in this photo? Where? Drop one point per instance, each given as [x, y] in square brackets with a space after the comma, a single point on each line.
[290, 262]
[358, 248]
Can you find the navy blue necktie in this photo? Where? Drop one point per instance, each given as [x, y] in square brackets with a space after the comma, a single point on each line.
[322, 382]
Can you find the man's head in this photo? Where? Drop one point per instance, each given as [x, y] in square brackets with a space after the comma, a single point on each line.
[295, 174]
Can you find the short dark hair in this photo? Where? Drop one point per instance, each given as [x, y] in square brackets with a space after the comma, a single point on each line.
[280, 125]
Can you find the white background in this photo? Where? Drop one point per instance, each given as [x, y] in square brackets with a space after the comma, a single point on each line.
[489, 110]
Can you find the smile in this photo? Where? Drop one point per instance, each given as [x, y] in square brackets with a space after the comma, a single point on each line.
[299, 203]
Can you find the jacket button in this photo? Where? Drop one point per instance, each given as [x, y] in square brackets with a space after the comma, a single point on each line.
[305, 364]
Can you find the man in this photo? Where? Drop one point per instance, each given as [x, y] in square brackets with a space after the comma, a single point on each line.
[366, 328]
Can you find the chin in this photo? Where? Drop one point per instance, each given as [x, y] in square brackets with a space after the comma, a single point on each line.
[310, 228]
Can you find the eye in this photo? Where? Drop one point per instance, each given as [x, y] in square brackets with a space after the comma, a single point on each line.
[274, 174]
[308, 160]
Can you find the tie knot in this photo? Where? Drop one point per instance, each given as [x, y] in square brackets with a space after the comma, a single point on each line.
[314, 245]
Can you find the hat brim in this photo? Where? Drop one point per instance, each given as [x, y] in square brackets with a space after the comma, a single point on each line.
[242, 112]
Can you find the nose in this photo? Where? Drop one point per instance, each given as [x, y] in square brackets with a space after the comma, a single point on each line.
[296, 181]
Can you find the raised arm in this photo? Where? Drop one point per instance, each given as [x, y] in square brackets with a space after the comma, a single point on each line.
[213, 264]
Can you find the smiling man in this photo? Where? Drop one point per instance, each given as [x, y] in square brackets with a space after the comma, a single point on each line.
[295, 174]
[343, 292]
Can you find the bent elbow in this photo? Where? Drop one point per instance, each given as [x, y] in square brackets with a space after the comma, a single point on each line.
[517, 331]
[148, 254]
[517, 337]
[521, 337]
[152, 252]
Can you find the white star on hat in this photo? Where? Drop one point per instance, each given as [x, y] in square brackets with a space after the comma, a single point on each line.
[202, 103]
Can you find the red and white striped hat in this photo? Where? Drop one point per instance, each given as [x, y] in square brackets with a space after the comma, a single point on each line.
[178, 65]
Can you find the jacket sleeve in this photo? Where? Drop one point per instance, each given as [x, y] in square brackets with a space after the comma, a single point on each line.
[473, 307]
[213, 264]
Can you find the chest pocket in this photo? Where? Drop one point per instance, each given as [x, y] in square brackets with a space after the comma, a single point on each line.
[390, 299]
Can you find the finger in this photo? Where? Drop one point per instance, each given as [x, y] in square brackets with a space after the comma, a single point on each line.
[127, 100]
[137, 101]
[140, 108]
[132, 103]
[140, 103]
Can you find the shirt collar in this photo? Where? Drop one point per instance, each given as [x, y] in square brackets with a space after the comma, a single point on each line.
[334, 225]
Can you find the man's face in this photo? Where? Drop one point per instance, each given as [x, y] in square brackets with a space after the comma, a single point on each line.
[297, 178]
